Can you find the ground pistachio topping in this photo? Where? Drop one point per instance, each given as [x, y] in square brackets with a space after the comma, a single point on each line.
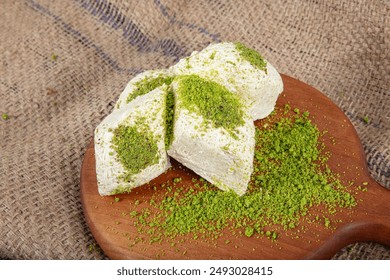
[254, 58]
[214, 102]
[169, 114]
[290, 176]
[136, 148]
[148, 84]
[122, 189]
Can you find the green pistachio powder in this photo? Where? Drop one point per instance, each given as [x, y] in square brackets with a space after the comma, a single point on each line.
[169, 117]
[290, 176]
[5, 116]
[252, 56]
[147, 85]
[136, 149]
[218, 106]
[290, 170]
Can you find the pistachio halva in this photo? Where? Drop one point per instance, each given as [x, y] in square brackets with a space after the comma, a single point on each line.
[213, 134]
[130, 144]
[199, 112]
[241, 70]
[142, 84]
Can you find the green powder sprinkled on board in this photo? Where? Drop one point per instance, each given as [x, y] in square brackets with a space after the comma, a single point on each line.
[290, 176]
[249, 231]
[135, 149]
[218, 106]
[147, 85]
[254, 58]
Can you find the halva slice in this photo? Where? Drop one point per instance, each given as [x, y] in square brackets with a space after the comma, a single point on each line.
[142, 84]
[130, 144]
[212, 133]
[241, 70]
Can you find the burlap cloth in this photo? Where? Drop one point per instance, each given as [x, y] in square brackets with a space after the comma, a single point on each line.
[64, 63]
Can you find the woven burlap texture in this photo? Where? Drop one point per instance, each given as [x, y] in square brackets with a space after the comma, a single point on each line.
[64, 63]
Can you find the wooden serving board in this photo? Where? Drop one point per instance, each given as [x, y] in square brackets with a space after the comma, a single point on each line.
[114, 231]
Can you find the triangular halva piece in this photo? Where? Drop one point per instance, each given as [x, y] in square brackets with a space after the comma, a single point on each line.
[142, 84]
[212, 133]
[241, 70]
[130, 144]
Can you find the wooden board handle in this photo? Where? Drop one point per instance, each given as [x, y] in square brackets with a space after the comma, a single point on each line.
[370, 224]
[377, 217]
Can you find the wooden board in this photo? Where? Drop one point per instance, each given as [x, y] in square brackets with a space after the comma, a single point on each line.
[369, 221]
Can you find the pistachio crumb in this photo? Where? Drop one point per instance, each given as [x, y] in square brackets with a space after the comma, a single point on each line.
[5, 116]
